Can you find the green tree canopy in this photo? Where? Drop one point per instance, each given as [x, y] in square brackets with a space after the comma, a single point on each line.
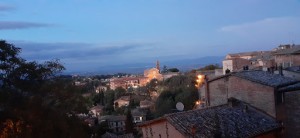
[210, 67]
[34, 101]
[173, 70]
[176, 89]
[16, 72]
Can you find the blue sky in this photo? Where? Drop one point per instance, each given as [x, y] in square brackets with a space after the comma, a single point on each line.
[89, 34]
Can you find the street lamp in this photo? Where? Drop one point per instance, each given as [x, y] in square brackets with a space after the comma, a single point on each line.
[199, 82]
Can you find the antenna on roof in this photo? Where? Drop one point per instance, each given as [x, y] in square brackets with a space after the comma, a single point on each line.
[179, 106]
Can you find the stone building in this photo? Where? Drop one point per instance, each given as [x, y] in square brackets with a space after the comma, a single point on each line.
[263, 90]
[236, 62]
[287, 56]
[139, 115]
[153, 73]
[122, 101]
[127, 82]
[235, 119]
[291, 72]
[115, 123]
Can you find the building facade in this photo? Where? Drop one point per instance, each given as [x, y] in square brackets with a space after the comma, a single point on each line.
[265, 91]
[235, 119]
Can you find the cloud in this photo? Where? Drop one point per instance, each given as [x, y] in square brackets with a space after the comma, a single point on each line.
[13, 25]
[82, 56]
[74, 51]
[269, 31]
[6, 8]
[266, 25]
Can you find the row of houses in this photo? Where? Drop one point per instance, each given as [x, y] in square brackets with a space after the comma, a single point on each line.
[284, 56]
[241, 104]
[138, 81]
[251, 100]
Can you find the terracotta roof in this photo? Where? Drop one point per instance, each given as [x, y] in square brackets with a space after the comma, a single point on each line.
[138, 112]
[113, 118]
[97, 108]
[263, 56]
[292, 50]
[146, 103]
[294, 69]
[124, 79]
[222, 121]
[293, 87]
[266, 78]
[254, 53]
[124, 98]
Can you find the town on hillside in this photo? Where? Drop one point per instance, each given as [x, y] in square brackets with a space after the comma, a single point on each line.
[252, 94]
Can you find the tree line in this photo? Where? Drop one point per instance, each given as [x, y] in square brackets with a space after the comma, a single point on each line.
[35, 101]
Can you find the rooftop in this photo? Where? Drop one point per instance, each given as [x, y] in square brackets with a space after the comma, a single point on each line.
[266, 78]
[113, 118]
[294, 69]
[221, 121]
[293, 87]
[263, 56]
[138, 112]
[97, 108]
[254, 53]
[293, 50]
[124, 98]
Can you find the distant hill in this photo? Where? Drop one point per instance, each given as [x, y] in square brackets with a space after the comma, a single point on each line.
[136, 68]
[188, 64]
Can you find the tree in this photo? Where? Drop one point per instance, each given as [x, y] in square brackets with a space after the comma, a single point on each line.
[9, 61]
[35, 96]
[177, 89]
[99, 98]
[119, 91]
[173, 70]
[210, 67]
[152, 85]
[15, 72]
[165, 69]
[129, 126]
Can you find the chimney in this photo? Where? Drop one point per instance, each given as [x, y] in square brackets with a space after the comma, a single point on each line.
[227, 71]
[232, 102]
[280, 70]
[245, 110]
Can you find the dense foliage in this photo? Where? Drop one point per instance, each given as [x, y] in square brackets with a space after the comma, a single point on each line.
[176, 89]
[211, 67]
[34, 102]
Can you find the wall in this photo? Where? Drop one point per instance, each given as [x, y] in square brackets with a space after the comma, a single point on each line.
[257, 95]
[294, 59]
[153, 73]
[218, 91]
[161, 129]
[235, 64]
[289, 74]
[292, 114]
[227, 64]
[218, 72]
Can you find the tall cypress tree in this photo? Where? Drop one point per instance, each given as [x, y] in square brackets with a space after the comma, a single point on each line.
[129, 126]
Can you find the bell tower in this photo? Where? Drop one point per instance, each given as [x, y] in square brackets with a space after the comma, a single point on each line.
[157, 65]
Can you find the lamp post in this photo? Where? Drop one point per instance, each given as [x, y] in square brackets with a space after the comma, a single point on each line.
[199, 82]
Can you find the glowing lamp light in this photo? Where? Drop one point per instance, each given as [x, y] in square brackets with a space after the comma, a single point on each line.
[199, 80]
[199, 76]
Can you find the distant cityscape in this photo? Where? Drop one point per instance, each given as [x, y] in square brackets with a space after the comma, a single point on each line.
[253, 94]
[150, 69]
